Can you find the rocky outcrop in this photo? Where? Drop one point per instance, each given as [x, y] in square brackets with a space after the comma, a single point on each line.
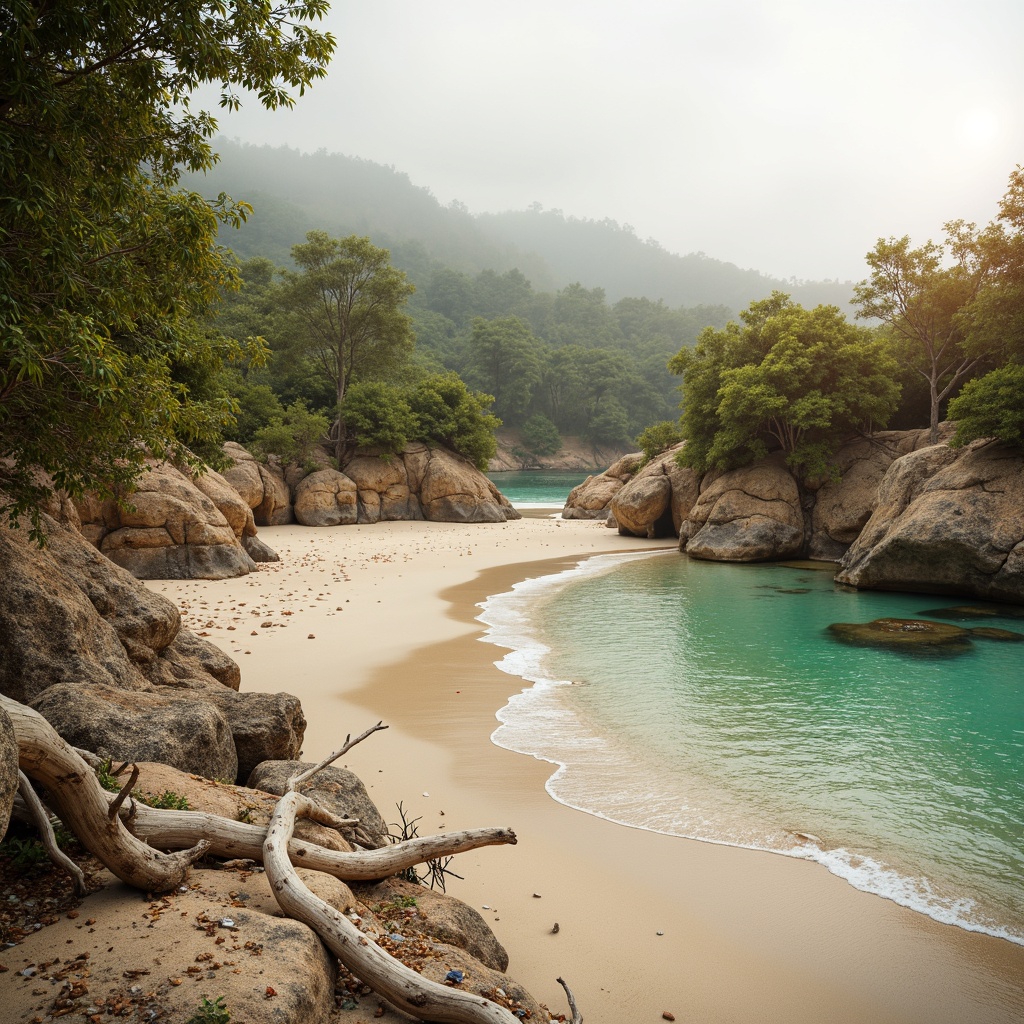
[746, 515]
[946, 521]
[421, 482]
[106, 660]
[8, 770]
[591, 499]
[326, 498]
[170, 529]
[576, 454]
[337, 789]
[657, 500]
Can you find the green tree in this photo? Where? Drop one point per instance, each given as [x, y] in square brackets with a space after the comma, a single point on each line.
[378, 415]
[540, 436]
[346, 312]
[448, 413]
[790, 379]
[294, 435]
[991, 406]
[107, 268]
[504, 361]
[659, 437]
[921, 300]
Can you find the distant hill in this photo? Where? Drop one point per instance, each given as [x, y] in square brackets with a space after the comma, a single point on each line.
[293, 192]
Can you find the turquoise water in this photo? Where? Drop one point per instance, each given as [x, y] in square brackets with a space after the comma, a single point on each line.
[709, 701]
[538, 486]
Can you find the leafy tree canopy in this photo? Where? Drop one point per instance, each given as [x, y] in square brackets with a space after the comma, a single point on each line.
[791, 379]
[106, 268]
[991, 406]
[346, 313]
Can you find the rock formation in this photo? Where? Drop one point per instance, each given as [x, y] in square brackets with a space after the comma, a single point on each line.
[591, 499]
[746, 515]
[106, 660]
[173, 526]
[947, 521]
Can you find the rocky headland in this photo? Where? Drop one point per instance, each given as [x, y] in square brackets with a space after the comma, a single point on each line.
[900, 513]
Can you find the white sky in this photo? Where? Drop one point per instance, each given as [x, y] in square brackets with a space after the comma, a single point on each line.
[784, 135]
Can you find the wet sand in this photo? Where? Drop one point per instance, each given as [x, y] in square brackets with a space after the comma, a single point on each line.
[381, 626]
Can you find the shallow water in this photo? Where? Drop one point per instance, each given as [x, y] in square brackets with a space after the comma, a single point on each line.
[538, 487]
[710, 701]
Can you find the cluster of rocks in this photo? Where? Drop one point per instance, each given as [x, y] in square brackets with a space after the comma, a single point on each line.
[901, 514]
[181, 525]
[108, 663]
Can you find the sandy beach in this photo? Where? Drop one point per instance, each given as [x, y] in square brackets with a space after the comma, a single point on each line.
[378, 622]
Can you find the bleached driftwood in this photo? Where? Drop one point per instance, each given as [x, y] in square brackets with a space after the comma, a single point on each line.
[82, 803]
[387, 976]
[40, 817]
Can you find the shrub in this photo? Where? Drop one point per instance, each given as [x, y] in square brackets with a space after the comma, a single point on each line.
[991, 406]
[659, 437]
[540, 436]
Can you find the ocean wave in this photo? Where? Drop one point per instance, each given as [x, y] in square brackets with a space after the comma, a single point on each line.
[595, 774]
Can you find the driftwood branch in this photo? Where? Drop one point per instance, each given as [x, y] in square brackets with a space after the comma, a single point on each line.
[126, 789]
[391, 979]
[40, 817]
[577, 1017]
[171, 830]
[81, 803]
[296, 780]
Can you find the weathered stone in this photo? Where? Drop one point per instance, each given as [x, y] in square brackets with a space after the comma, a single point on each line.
[228, 502]
[905, 634]
[170, 529]
[643, 507]
[191, 658]
[455, 491]
[746, 515]
[337, 789]
[435, 914]
[8, 770]
[259, 551]
[276, 507]
[143, 725]
[326, 498]
[264, 726]
[591, 499]
[244, 474]
[947, 521]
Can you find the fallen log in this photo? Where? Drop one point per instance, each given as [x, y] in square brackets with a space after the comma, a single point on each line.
[81, 802]
[389, 978]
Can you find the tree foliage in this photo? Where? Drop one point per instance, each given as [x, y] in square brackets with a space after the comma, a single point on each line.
[789, 379]
[991, 406]
[448, 413]
[346, 314]
[107, 269]
[540, 436]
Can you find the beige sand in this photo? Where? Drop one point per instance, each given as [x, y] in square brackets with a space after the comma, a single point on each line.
[746, 937]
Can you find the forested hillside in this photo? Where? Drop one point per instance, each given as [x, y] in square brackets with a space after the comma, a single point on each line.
[293, 192]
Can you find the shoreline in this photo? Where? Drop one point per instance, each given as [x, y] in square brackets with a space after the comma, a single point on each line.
[747, 935]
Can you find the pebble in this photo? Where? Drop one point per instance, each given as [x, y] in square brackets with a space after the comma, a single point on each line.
[668, 1016]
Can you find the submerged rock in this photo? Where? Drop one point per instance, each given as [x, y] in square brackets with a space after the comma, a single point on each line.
[906, 634]
[992, 633]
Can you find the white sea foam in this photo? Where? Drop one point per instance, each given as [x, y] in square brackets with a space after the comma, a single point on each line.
[597, 774]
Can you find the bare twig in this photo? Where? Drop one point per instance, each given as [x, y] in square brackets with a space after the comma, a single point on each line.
[125, 789]
[577, 1017]
[41, 819]
[297, 780]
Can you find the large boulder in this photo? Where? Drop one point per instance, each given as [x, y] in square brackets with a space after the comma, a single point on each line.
[244, 474]
[752, 514]
[106, 661]
[453, 490]
[590, 499]
[842, 506]
[947, 521]
[436, 914]
[657, 499]
[8, 770]
[337, 789]
[264, 726]
[383, 492]
[143, 725]
[326, 498]
[169, 529]
[276, 507]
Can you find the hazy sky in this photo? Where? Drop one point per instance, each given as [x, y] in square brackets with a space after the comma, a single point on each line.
[785, 135]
